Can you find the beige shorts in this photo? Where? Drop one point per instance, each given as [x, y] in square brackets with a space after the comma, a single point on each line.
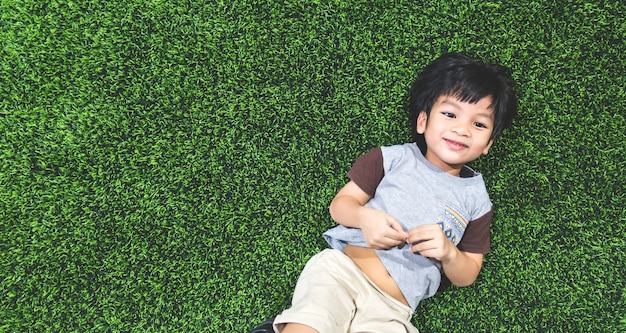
[333, 295]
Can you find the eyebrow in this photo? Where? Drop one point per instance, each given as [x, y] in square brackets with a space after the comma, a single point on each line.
[452, 103]
[489, 116]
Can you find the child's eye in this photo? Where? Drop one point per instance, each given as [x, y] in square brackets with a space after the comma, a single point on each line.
[480, 125]
[448, 114]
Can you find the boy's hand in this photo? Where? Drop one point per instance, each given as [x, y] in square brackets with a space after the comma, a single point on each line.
[381, 230]
[430, 241]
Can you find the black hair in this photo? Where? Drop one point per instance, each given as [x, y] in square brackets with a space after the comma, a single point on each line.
[458, 75]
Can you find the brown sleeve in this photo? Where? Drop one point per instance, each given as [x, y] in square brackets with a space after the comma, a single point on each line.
[368, 170]
[477, 238]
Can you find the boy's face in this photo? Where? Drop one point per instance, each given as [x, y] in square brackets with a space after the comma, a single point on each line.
[456, 132]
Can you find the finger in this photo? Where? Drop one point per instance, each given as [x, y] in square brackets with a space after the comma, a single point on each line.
[393, 241]
[423, 233]
[398, 236]
[388, 242]
[416, 248]
[387, 239]
[422, 247]
[396, 230]
[418, 236]
[396, 226]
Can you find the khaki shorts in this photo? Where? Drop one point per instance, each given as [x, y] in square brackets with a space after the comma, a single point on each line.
[333, 295]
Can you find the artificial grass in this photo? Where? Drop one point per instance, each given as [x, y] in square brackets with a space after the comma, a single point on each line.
[167, 166]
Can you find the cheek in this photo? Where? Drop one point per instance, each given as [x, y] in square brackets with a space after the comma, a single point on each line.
[487, 145]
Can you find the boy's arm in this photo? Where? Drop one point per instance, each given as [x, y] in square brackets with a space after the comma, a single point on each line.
[464, 268]
[381, 230]
[460, 267]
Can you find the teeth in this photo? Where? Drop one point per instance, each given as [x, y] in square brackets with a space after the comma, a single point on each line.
[458, 144]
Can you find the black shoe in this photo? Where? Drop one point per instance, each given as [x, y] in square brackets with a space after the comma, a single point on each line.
[264, 327]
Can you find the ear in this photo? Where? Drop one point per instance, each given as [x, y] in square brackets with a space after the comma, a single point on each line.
[489, 144]
[422, 119]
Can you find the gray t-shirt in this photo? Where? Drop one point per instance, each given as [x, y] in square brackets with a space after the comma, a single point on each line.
[416, 192]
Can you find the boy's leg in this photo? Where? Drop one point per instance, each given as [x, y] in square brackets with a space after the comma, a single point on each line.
[323, 300]
[298, 328]
[334, 295]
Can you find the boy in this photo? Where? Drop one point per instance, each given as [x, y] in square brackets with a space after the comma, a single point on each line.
[410, 213]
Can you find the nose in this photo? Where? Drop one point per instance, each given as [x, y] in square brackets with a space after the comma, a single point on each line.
[461, 129]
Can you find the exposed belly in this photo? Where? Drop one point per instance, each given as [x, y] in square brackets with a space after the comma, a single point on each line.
[367, 260]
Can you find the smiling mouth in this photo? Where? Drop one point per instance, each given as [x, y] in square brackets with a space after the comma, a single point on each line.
[455, 144]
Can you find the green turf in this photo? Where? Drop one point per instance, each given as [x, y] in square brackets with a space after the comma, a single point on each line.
[166, 166]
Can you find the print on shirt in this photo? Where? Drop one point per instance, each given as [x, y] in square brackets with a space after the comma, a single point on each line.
[453, 222]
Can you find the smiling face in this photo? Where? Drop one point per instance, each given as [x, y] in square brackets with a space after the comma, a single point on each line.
[456, 132]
